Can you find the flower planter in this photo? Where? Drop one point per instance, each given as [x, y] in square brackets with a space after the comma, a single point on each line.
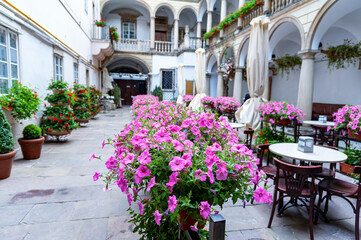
[346, 168]
[6, 162]
[355, 136]
[229, 111]
[79, 120]
[58, 133]
[187, 221]
[59, 104]
[283, 122]
[31, 148]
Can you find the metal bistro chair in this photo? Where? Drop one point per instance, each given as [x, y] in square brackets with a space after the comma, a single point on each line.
[326, 172]
[345, 190]
[294, 184]
[323, 136]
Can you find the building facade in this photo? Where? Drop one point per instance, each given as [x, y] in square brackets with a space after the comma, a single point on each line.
[158, 35]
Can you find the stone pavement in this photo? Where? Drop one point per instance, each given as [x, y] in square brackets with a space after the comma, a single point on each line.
[55, 198]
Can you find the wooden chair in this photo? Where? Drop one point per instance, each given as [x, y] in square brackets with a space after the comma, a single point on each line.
[345, 190]
[248, 137]
[294, 184]
[323, 136]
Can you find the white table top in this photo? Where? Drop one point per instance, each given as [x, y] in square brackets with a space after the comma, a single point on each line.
[317, 123]
[236, 125]
[320, 154]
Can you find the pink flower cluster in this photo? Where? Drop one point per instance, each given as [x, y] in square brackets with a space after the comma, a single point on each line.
[208, 101]
[227, 104]
[181, 155]
[188, 98]
[142, 100]
[347, 119]
[280, 110]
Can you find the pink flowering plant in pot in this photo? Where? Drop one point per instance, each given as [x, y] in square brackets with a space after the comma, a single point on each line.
[227, 104]
[347, 120]
[209, 102]
[186, 163]
[188, 99]
[276, 111]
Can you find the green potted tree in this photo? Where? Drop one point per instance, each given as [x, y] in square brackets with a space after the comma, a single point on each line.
[32, 142]
[7, 152]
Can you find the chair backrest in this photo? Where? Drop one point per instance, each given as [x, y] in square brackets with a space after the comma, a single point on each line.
[260, 150]
[296, 177]
[249, 135]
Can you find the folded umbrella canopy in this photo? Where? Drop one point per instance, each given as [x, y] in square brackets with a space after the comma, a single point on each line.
[200, 79]
[257, 73]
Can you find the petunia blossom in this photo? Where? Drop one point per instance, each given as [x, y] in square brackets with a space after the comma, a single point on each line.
[141, 207]
[157, 217]
[142, 171]
[151, 184]
[96, 176]
[172, 203]
[261, 195]
[205, 209]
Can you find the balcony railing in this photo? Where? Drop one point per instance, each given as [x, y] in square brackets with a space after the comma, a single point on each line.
[132, 45]
[193, 43]
[164, 47]
[277, 5]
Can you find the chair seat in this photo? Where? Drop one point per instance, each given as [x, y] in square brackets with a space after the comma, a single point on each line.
[326, 173]
[337, 186]
[271, 171]
[306, 191]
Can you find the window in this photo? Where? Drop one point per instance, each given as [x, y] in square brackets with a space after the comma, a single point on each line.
[58, 67]
[128, 30]
[76, 73]
[9, 63]
[168, 80]
[86, 6]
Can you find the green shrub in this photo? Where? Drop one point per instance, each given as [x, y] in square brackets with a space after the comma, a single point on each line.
[6, 137]
[32, 132]
[353, 156]
[116, 93]
[158, 93]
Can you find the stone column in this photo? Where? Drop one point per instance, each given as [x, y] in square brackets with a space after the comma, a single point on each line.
[267, 7]
[223, 15]
[208, 84]
[176, 37]
[305, 88]
[220, 84]
[237, 87]
[186, 37]
[240, 20]
[199, 34]
[152, 33]
[209, 20]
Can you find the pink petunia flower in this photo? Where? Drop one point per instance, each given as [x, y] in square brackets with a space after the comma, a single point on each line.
[261, 195]
[96, 176]
[157, 217]
[151, 184]
[141, 207]
[205, 209]
[142, 171]
[172, 203]
[177, 164]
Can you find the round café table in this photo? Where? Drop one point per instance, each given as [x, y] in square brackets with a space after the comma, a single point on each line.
[319, 155]
[321, 135]
[318, 123]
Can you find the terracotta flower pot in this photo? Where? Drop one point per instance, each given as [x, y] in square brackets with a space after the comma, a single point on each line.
[31, 148]
[346, 168]
[79, 120]
[187, 221]
[6, 162]
[355, 136]
[283, 122]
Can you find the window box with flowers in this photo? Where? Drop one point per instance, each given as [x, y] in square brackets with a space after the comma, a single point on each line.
[101, 22]
[187, 162]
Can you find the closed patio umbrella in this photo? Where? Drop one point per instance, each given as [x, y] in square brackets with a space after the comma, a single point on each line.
[200, 79]
[180, 83]
[257, 73]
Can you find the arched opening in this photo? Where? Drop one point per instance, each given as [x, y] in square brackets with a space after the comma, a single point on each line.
[232, 6]
[242, 62]
[285, 40]
[337, 86]
[164, 21]
[203, 17]
[212, 71]
[188, 27]
[131, 75]
[216, 8]
[131, 18]
[228, 58]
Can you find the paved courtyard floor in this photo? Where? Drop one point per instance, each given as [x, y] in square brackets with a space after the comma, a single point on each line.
[55, 198]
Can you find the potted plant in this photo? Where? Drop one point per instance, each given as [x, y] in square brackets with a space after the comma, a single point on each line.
[158, 93]
[280, 112]
[7, 152]
[82, 104]
[142, 102]
[288, 63]
[101, 22]
[227, 105]
[22, 102]
[209, 102]
[113, 33]
[353, 159]
[117, 94]
[347, 121]
[187, 99]
[229, 71]
[95, 96]
[186, 162]
[58, 117]
[32, 142]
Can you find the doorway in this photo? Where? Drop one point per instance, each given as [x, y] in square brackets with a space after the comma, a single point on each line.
[130, 89]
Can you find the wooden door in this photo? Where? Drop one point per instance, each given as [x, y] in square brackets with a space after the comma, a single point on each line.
[161, 36]
[130, 89]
